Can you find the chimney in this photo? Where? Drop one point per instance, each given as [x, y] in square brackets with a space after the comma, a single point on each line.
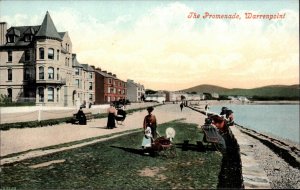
[114, 75]
[98, 69]
[104, 71]
[3, 30]
[93, 67]
[109, 73]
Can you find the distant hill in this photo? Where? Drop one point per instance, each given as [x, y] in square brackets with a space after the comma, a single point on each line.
[207, 88]
[265, 91]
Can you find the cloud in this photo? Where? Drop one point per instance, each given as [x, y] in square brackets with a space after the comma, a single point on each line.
[165, 50]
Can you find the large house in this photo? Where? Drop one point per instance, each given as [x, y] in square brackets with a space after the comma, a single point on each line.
[37, 64]
[108, 87]
[134, 91]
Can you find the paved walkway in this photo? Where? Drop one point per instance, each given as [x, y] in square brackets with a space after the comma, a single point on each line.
[19, 140]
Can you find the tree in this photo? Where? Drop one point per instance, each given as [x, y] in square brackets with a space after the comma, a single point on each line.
[149, 91]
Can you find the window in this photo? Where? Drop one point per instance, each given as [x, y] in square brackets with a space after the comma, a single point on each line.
[50, 94]
[90, 86]
[50, 73]
[91, 97]
[41, 94]
[11, 39]
[9, 74]
[77, 83]
[77, 71]
[91, 75]
[57, 95]
[9, 93]
[50, 53]
[28, 38]
[41, 72]
[109, 81]
[41, 53]
[57, 55]
[9, 53]
[57, 73]
[26, 74]
[27, 55]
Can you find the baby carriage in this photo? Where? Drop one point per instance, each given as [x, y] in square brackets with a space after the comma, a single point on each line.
[162, 145]
[120, 117]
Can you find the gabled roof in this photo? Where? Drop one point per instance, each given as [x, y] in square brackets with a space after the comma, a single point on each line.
[87, 67]
[62, 34]
[75, 63]
[47, 29]
[20, 32]
[105, 74]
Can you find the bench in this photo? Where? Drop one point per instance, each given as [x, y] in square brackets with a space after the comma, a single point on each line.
[88, 115]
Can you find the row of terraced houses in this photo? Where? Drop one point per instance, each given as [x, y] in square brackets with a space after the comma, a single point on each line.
[37, 64]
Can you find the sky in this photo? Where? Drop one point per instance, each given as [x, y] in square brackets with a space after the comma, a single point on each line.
[155, 43]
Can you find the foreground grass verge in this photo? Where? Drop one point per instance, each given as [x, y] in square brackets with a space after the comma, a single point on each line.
[117, 163]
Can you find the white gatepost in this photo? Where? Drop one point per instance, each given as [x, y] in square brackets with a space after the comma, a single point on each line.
[39, 112]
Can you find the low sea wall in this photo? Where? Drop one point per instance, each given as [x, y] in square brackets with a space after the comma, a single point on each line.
[253, 176]
[39, 113]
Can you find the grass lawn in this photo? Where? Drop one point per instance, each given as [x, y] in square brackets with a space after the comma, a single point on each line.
[117, 163]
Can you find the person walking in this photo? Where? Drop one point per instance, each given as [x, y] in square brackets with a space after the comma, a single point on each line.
[112, 112]
[181, 106]
[150, 121]
[206, 109]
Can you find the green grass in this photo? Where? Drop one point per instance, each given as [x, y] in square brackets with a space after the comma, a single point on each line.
[116, 164]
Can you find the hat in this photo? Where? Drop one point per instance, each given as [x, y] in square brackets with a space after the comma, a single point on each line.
[150, 109]
[228, 112]
[223, 110]
[216, 118]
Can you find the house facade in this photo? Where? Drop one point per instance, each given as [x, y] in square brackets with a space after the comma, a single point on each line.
[108, 87]
[134, 91]
[36, 64]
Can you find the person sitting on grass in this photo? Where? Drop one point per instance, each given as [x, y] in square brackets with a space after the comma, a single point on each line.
[80, 116]
[224, 130]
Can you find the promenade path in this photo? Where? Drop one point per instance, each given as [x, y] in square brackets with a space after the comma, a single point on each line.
[19, 140]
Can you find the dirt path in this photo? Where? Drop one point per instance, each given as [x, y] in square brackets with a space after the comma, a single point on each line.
[19, 140]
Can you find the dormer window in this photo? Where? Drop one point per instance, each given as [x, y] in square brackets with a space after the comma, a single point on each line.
[27, 38]
[10, 38]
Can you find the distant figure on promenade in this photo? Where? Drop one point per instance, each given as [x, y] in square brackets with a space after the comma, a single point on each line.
[112, 112]
[181, 106]
[80, 116]
[150, 121]
[121, 115]
[206, 109]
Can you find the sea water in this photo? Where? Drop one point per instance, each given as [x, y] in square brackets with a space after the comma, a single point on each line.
[278, 120]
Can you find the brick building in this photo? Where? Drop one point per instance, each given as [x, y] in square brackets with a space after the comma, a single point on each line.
[108, 87]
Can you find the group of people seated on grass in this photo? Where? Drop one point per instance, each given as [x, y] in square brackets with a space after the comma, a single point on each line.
[217, 129]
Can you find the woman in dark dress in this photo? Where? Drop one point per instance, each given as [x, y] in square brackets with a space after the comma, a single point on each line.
[81, 117]
[112, 112]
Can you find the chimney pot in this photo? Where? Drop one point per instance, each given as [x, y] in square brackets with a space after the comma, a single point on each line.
[3, 31]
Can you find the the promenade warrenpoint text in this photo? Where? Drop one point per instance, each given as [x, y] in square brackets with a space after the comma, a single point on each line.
[246, 15]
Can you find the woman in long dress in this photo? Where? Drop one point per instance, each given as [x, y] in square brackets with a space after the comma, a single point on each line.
[111, 117]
